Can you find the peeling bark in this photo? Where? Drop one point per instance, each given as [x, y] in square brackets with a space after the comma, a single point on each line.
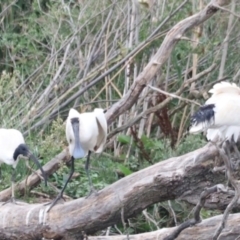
[179, 177]
[201, 231]
[165, 180]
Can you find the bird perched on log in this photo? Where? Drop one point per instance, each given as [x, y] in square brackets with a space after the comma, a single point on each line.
[86, 133]
[220, 116]
[12, 146]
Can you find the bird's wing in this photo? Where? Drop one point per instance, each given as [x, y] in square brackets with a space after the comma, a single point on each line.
[102, 129]
[225, 87]
[202, 119]
[68, 130]
[227, 109]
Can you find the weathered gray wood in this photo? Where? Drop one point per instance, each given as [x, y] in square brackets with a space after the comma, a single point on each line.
[201, 231]
[167, 179]
[170, 179]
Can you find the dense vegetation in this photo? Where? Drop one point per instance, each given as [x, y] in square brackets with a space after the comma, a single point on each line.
[55, 55]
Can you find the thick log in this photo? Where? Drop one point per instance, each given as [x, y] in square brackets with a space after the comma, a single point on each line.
[170, 179]
[125, 198]
[201, 231]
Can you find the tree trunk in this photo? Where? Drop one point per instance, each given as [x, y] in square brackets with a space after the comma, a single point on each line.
[169, 179]
[201, 231]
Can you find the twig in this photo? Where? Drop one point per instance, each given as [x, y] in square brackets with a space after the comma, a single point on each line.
[163, 103]
[227, 10]
[172, 95]
[146, 215]
[236, 187]
[172, 211]
[196, 215]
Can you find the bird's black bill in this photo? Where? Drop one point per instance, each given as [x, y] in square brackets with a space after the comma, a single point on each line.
[32, 157]
[78, 151]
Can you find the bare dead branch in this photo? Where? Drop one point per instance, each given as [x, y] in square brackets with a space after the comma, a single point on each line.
[201, 231]
[196, 219]
[236, 187]
[161, 57]
[163, 181]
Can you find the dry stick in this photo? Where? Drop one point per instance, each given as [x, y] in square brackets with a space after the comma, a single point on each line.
[150, 219]
[172, 211]
[172, 95]
[164, 180]
[163, 103]
[236, 187]
[225, 43]
[6, 8]
[43, 98]
[113, 68]
[196, 219]
[159, 59]
[229, 11]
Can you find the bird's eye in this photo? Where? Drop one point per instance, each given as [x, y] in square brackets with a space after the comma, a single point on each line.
[70, 140]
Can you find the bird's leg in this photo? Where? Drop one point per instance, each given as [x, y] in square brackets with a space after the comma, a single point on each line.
[92, 189]
[12, 199]
[60, 195]
[13, 186]
[227, 146]
[236, 150]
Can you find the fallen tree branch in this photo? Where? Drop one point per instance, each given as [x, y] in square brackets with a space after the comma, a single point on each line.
[201, 231]
[165, 180]
[236, 187]
[196, 219]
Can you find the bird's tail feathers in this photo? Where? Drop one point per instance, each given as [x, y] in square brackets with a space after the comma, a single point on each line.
[202, 119]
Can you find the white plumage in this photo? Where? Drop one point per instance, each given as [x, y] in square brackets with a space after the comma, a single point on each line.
[10, 139]
[92, 131]
[86, 133]
[12, 146]
[220, 116]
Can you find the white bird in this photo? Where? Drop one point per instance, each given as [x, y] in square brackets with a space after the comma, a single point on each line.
[12, 146]
[220, 116]
[86, 133]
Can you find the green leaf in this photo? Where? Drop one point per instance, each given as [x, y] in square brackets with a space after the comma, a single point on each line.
[124, 139]
[126, 171]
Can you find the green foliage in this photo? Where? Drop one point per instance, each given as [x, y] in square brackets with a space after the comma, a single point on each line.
[66, 45]
[53, 142]
[124, 139]
[125, 170]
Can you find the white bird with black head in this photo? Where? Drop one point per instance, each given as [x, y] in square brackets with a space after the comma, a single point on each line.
[220, 116]
[12, 147]
[86, 133]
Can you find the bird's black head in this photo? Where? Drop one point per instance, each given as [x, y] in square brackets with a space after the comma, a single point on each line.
[23, 150]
